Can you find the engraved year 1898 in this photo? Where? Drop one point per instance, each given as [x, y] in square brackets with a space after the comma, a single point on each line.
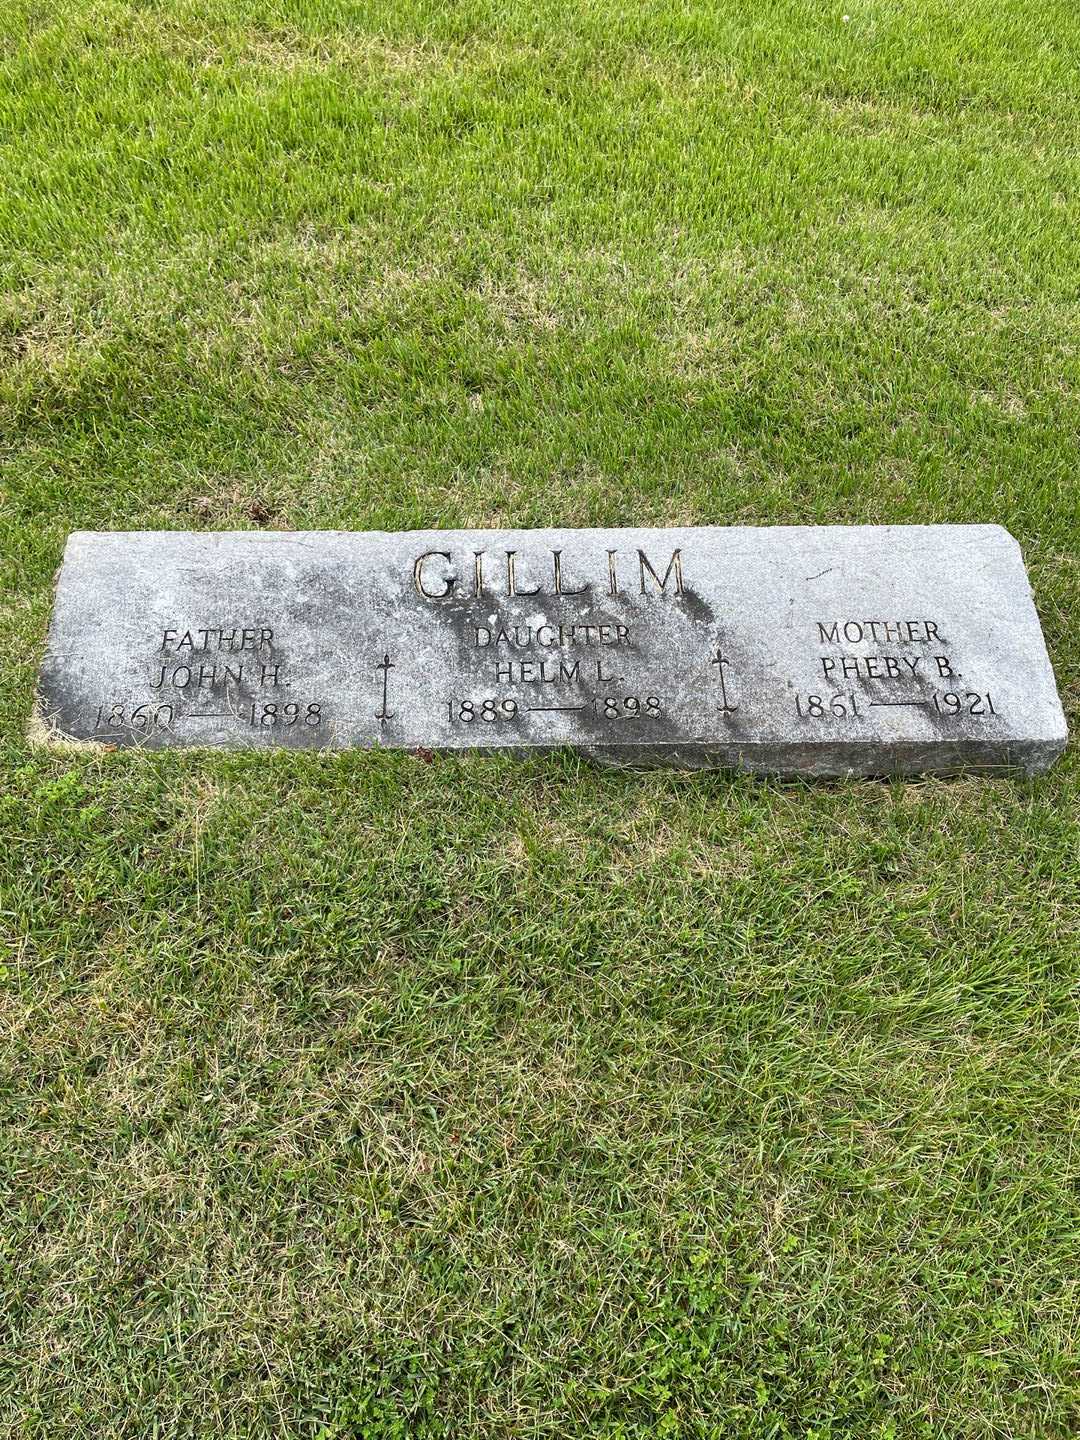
[492, 709]
[270, 715]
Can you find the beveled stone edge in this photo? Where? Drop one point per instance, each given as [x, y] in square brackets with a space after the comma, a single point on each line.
[787, 760]
[42, 731]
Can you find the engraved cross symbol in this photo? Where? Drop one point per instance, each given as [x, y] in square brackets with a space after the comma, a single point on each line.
[723, 662]
[386, 665]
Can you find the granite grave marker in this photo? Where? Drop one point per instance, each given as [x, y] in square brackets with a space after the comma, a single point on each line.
[825, 650]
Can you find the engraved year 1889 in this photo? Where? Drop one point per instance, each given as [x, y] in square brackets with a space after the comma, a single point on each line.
[493, 709]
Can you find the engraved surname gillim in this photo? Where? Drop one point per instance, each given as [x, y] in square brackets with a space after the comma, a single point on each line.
[436, 576]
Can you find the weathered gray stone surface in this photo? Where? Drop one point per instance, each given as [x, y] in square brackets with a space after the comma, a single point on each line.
[797, 650]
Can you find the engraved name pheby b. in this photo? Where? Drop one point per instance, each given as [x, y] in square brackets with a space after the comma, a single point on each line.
[438, 576]
[885, 665]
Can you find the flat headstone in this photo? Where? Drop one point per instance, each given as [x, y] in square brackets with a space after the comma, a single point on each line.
[823, 650]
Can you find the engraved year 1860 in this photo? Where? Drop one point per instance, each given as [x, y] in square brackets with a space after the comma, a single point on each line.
[121, 715]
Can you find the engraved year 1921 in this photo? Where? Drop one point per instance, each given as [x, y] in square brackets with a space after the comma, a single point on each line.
[969, 702]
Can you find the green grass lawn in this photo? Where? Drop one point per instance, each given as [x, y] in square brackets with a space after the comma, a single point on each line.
[365, 1097]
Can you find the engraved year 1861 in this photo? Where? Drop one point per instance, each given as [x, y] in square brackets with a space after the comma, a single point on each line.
[823, 707]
